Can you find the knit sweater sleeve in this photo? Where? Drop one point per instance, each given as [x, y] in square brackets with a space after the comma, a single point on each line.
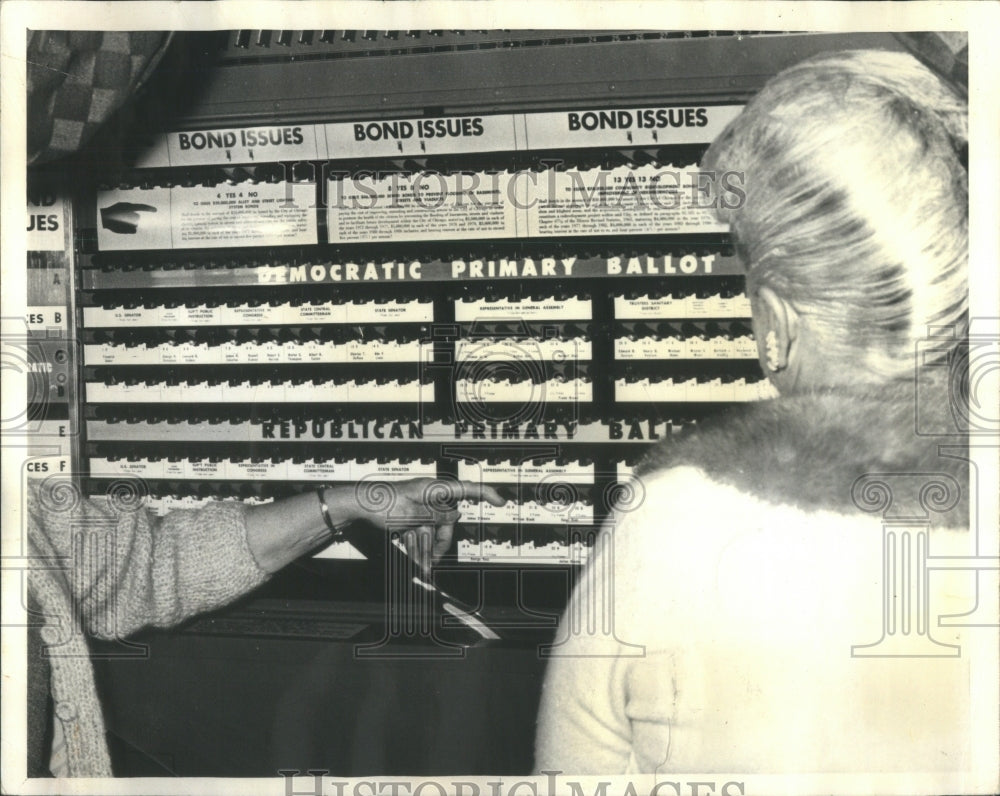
[128, 569]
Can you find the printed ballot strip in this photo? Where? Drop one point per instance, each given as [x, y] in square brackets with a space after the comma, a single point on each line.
[515, 310]
[625, 127]
[233, 468]
[489, 551]
[677, 346]
[489, 349]
[527, 393]
[267, 392]
[313, 351]
[640, 201]
[423, 206]
[286, 313]
[647, 200]
[249, 214]
[530, 512]
[507, 472]
[693, 391]
[682, 305]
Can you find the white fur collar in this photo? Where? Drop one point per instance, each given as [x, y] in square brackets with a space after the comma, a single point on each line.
[809, 450]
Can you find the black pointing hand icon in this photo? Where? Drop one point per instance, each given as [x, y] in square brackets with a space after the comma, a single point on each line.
[123, 217]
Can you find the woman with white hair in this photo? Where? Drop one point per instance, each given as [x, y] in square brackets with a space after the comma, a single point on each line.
[766, 607]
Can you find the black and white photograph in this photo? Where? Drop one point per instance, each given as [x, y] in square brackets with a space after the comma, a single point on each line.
[500, 399]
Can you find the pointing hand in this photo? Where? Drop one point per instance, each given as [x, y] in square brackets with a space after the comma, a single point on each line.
[123, 217]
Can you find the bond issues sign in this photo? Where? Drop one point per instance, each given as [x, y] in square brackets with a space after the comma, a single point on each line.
[246, 145]
[45, 223]
[443, 135]
[617, 127]
[418, 137]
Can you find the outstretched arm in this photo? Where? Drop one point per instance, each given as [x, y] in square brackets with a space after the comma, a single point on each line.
[127, 568]
[423, 510]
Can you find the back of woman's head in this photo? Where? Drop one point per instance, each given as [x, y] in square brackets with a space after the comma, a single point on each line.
[856, 207]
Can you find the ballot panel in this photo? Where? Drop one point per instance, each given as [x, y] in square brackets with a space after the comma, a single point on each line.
[355, 257]
[525, 287]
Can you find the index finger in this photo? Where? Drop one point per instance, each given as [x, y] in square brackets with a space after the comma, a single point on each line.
[479, 492]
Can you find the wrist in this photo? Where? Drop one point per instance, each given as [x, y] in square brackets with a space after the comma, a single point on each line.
[342, 505]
